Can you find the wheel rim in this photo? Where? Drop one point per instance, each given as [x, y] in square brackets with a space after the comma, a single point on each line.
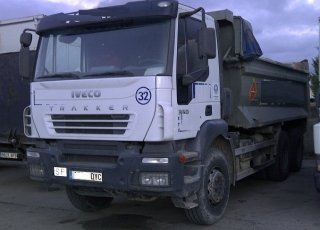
[216, 187]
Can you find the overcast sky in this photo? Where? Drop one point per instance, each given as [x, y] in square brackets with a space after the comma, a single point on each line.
[287, 30]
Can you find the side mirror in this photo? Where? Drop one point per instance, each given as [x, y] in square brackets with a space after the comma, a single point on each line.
[25, 39]
[206, 50]
[187, 79]
[207, 43]
[194, 76]
[24, 62]
[24, 55]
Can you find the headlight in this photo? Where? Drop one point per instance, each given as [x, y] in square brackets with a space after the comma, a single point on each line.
[155, 160]
[154, 179]
[33, 154]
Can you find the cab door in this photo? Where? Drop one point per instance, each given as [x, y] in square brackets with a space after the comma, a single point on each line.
[195, 100]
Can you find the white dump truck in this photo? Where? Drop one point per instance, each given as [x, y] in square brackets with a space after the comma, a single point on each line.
[157, 99]
[14, 95]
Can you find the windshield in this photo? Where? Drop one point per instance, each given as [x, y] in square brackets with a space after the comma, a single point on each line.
[108, 50]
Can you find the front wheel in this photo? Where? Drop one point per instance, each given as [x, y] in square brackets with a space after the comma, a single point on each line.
[87, 203]
[214, 191]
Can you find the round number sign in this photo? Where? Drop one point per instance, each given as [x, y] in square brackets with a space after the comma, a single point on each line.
[143, 95]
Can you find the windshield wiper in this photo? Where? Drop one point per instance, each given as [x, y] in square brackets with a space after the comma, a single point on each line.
[61, 75]
[110, 73]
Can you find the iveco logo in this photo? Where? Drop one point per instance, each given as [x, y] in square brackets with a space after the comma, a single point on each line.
[85, 93]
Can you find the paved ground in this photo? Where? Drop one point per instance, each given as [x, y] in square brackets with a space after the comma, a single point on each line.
[254, 204]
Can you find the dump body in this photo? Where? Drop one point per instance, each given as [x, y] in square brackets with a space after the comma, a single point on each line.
[264, 91]
[14, 94]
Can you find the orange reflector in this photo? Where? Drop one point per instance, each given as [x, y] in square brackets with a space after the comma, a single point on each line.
[182, 159]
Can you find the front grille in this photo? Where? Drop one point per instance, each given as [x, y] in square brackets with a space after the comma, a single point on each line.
[112, 124]
[86, 152]
[76, 158]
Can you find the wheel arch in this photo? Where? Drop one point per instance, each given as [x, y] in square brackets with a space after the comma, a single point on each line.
[301, 124]
[223, 143]
[214, 133]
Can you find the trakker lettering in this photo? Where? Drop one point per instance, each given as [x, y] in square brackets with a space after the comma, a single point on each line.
[85, 93]
[87, 108]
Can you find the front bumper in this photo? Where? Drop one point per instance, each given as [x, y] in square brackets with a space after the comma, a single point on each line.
[120, 168]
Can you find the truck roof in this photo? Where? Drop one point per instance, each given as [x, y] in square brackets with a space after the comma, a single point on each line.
[137, 9]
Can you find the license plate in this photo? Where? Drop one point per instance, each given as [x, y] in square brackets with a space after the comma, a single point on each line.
[86, 176]
[9, 155]
[58, 171]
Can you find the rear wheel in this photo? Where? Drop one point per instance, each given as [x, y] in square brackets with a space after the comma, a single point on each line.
[279, 171]
[213, 194]
[296, 149]
[87, 203]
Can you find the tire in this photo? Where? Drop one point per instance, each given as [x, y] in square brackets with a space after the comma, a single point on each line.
[87, 203]
[214, 191]
[296, 149]
[279, 171]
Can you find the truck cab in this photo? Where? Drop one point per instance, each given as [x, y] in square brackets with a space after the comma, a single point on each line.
[134, 65]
